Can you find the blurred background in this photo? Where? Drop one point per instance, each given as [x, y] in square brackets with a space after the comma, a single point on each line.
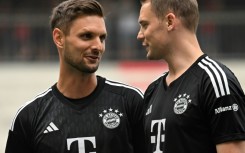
[25, 34]
[29, 59]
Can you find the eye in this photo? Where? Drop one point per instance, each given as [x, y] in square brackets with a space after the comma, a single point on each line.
[143, 24]
[86, 36]
[103, 38]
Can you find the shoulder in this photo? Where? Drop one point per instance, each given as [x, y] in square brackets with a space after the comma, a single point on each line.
[122, 88]
[214, 68]
[38, 99]
[216, 75]
[28, 110]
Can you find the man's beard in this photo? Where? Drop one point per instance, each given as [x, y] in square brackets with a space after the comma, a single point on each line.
[80, 66]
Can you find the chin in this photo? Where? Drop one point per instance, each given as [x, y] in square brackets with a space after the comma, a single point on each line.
[90, 69]
[149, 57]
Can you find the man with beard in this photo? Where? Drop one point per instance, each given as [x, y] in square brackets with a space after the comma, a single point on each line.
[82, 112]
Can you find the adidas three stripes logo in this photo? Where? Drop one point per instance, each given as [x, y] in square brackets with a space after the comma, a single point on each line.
[216, 75]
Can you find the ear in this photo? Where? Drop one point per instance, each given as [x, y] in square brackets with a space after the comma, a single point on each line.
[58, 37]
[170, 21]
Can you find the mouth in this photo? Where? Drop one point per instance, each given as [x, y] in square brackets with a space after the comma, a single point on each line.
[146, 47]
[144, 44]
[92, 58]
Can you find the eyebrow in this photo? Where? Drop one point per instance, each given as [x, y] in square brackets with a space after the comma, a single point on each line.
[142, 21]
[104, 35]
[86, 30]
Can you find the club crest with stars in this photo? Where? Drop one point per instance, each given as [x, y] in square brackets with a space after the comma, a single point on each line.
[181, 103]
[111, 118]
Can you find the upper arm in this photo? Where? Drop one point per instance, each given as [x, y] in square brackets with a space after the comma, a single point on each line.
[20, 132]
[231, 147]
[135, 113]
[16, 144]
[224, 110]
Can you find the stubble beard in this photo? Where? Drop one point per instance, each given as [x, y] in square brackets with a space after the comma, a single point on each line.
[81, 66]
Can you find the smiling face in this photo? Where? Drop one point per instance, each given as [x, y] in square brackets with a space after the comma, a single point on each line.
[84, 44]
[153, 33]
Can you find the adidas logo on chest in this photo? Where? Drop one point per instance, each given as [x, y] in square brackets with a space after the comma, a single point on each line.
[51, 128]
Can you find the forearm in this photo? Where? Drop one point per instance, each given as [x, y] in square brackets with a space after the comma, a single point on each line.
[231, 147]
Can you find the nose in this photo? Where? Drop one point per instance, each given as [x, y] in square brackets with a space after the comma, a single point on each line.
[98, 44]
[140, 35]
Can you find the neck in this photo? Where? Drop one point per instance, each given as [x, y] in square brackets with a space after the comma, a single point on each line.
[182, 56]
[76, 87]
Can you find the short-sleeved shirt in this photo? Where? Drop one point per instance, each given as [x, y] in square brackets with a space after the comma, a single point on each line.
[205, 106]
[107, 121]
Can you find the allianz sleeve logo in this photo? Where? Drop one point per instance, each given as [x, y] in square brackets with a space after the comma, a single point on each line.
[233, 107]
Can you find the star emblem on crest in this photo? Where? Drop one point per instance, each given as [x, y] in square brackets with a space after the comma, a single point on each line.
[110, 110]
[181, 103]
[186, 96]
[111, 118]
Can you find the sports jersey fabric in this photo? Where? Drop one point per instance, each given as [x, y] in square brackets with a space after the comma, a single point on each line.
[205, 106]
[107, 121]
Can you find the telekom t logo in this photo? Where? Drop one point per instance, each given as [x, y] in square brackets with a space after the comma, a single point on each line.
[160, 137]
[81, 143]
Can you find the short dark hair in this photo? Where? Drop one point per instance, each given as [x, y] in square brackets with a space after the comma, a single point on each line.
[67, 11]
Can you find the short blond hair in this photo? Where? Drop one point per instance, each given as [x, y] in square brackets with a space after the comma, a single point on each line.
[186, 10]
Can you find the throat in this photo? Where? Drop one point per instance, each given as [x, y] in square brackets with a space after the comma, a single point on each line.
[170, 78]
[77, 89]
